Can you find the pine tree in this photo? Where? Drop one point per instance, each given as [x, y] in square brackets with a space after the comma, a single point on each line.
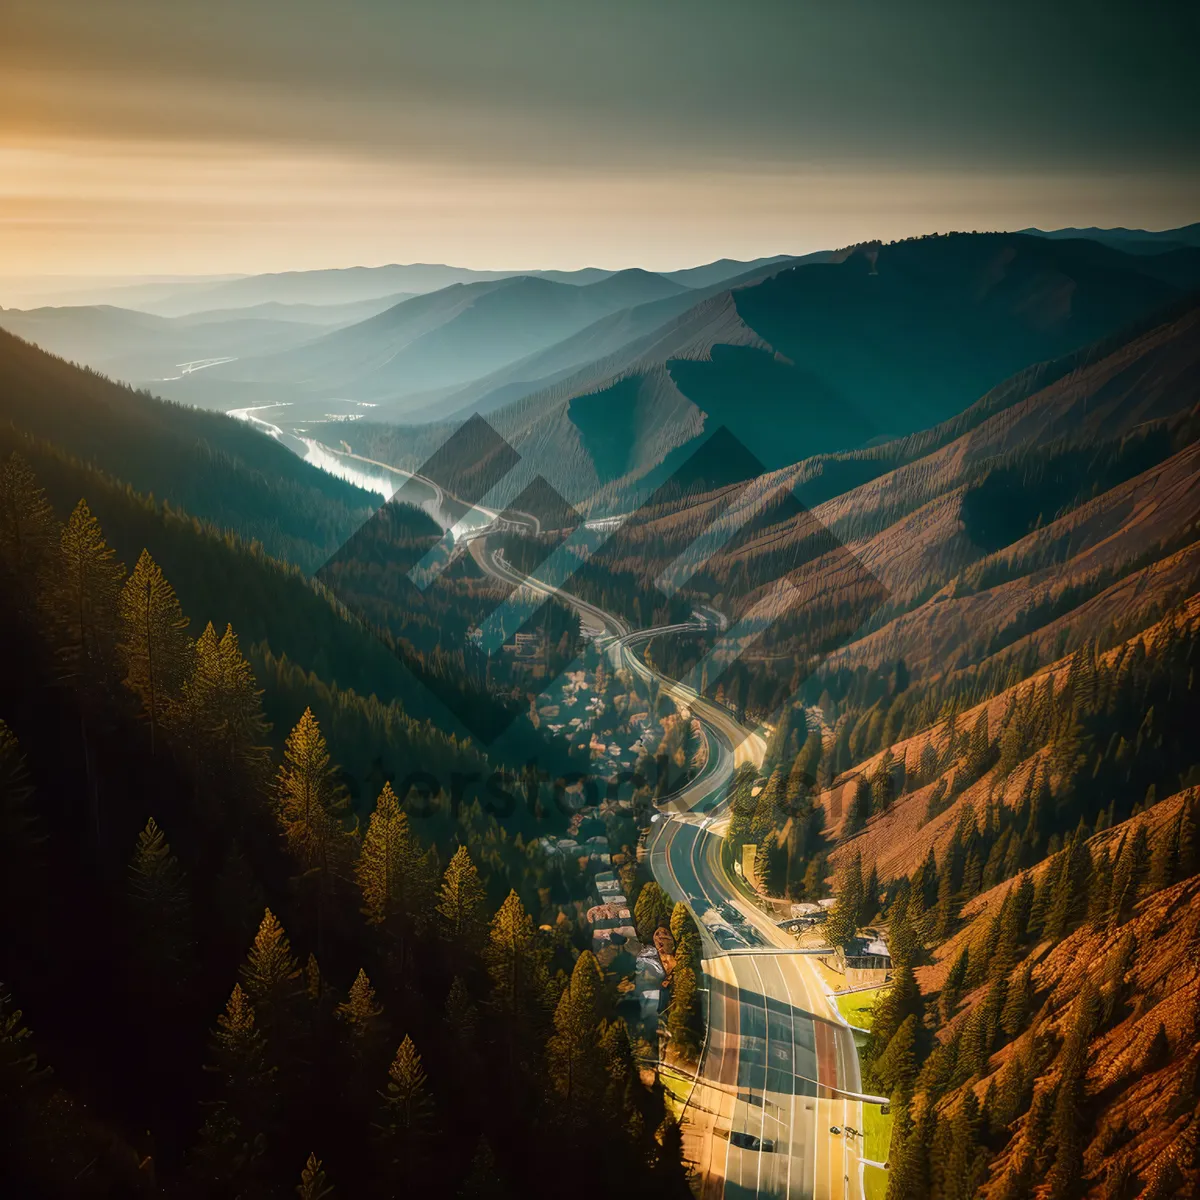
[909, 1178]
[1014, 926]
[813, 885]
[940, 1068]
[221, 712]
[1068, 899]
[896, 1067]
[842, 923]
[1015, 1183]
[311, 803]
[313, 1184]
[768, 807]
[684, 1021]
[945, 912]
[979, 748]
[197, 714]
[1018, 1003]
[461, 903]
[1100, 894]
[237, 1056]
[966, 1167]
[652, 911]
[233, 1140]
[406, 1117]
[394, 875]
[741, 805]
[573, 1051]
[87, 579]
[1125, 883]
[86, 591]
[1066, 1132]
[952, 989]
[1013, 1094]
[1164, 859]
[688, 947]
[154, 641]
[271, 974]
[883, 784]
[513, 959]
[764, 865]
[860, 809]
[870, 898]
[29, 533]
[900, 1001]
[360, 1014]
[1189, 837]
[623, 1087]
[159, 899]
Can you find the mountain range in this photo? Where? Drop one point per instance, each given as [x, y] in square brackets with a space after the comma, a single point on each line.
[946, 494]
[871, 343]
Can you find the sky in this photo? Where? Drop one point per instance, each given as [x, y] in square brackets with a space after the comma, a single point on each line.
[219, 136]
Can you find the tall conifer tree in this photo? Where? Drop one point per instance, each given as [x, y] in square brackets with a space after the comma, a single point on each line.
[154, 642]
[311, 803]
[460, 906]
[573, 1052]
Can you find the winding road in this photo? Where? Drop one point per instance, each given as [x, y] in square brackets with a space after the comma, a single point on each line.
[779, 1070]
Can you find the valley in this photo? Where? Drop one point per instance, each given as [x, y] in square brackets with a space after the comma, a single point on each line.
[855, 596]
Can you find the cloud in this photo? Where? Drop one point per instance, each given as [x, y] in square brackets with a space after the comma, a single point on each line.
[253, 135]
[1024, 84]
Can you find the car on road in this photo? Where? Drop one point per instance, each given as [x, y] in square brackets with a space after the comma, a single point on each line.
[747, 1141]
[726, 938]
[834, 1129]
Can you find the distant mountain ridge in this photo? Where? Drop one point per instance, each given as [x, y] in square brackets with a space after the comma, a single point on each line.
[450, 336]
[340, 285]
[1132, 241]
[142, 347]
[881, 341]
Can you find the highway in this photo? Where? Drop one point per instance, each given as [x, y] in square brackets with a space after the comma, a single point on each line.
[779, 1063]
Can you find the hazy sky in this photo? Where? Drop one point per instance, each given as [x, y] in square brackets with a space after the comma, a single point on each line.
[143, 136]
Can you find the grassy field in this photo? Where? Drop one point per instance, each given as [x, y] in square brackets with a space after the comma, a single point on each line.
[859, 1008]
[877, 1133]
[875, 1183]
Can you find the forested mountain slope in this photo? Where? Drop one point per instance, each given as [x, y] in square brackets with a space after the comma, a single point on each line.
[216, 468]
[282, 940]
[1084, 491]
[998, 769]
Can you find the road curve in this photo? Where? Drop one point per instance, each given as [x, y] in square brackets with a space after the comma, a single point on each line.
[778, 1058]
